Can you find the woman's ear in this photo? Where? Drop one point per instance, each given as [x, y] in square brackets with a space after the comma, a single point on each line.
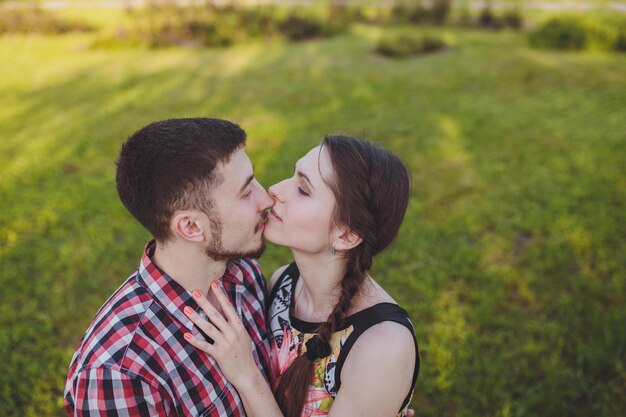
[187, 225]
[346, 240]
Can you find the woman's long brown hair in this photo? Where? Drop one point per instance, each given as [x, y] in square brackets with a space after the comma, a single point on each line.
[371, 188]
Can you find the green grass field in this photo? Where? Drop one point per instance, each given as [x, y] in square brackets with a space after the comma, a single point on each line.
[512, 257]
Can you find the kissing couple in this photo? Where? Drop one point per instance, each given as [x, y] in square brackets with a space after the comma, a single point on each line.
[197, 331]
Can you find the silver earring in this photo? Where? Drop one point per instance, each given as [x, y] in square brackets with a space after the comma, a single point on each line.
[333, 252]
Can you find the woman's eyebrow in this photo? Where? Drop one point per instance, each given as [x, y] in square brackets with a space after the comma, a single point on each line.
[303, 175]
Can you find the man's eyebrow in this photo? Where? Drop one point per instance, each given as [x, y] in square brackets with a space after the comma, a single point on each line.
[248, 181]
[303, 175]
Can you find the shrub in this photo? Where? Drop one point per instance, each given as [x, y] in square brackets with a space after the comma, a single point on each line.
[37, 21]
[420, 14]
[513, 19]
[437, 13]
[440, 11]
[572, 33]
[216, 26]
[487, 19]
[405, 46]
[464, 18]
[207, 33]
[601, 36]
[400, 13]
[259, 21]
[560, 33]
[342, 14]
[297, 27]
[620, 40]
[189, 31]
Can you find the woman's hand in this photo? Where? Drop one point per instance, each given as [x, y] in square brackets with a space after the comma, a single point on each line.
[231, 348]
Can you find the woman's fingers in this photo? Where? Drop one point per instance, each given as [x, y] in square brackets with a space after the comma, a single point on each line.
[232, 348]
[215, 316]
[199, 344]
[205, 326]
[227, 307]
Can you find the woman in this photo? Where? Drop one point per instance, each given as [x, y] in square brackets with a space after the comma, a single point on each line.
[341, 345]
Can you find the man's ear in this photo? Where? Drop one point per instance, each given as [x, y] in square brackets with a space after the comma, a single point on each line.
[187, 225]
[346, 239]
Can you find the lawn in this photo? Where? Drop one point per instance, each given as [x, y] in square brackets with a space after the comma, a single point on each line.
[512, 257]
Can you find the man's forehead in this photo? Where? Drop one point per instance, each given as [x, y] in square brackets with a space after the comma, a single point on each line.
[237, 169]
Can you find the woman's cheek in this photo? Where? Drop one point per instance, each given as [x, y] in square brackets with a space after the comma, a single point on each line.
[316, 220]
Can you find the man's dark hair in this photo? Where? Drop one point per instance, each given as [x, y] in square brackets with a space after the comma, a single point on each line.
[171, 165]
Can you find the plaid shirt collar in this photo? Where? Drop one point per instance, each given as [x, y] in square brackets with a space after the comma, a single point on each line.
[169, 293]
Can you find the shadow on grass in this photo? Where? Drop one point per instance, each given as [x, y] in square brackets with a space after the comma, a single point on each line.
[510, 261]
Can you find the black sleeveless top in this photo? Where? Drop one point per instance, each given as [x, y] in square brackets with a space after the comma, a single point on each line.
[289, 334]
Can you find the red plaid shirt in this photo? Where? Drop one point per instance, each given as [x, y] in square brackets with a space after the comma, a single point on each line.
[133, 360]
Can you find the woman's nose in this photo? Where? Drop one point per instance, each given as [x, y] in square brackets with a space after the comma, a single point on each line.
[275, 191]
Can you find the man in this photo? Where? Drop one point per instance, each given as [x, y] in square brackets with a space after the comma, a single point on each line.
[190, 183]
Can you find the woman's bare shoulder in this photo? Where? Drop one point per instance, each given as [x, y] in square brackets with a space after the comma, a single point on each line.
[380, 365]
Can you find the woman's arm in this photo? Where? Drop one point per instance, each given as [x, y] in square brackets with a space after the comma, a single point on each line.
[232, 351]
[377, 374]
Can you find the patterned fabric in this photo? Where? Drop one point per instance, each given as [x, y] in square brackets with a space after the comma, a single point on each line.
[133, 360]
[289, 336]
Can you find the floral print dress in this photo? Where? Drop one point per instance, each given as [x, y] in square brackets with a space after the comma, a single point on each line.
[289, 335]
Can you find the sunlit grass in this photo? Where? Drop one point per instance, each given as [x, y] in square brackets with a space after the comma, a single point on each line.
[511, 259]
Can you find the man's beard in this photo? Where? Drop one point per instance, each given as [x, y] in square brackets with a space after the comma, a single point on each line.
[218, 253]
[216, 250]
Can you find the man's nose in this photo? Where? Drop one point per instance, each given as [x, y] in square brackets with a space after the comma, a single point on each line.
[266, 200]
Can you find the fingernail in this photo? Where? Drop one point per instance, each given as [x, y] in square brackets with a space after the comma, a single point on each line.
[214, 283]
[197, 294]
[188, 310]
[187, 336]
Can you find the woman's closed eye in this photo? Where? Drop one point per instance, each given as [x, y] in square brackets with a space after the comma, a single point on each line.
[302, 191]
